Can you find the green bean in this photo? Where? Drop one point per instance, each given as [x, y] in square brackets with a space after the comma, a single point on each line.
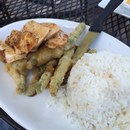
[84, 46]
[63, 66]
[46, 76]
[76, 33]
[91, 51]
[31, 87]
[73, 37]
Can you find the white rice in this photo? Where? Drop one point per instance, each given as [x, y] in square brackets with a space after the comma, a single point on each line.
[98, 92]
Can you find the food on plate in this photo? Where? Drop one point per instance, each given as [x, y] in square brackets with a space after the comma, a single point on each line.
[74, 36]
[63, 66]
[46, 53]
[38, 58]
[43, 55]
[58, 40]
[41, 78]
[9, 54]
[1, 57]
[46, 76]
[91, 51]
[84, 46]
[36, 75]
[30, 89]
[21, 42]
[20, 66]
[43, 49]
[19, 79]
[38, 30]
[65, 63]
[98, 92]
[54, 29]
[1, 53]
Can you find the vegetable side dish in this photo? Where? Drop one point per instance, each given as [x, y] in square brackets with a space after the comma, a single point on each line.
[42, 49]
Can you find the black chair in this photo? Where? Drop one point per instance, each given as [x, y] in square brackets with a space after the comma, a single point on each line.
[50, 3]
[3, 9]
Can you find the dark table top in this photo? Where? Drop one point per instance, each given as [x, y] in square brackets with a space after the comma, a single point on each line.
[74, 10]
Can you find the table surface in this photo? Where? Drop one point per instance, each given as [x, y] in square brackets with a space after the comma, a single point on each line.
[75, 10]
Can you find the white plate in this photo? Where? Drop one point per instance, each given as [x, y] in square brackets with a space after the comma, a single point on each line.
[33, 113]
[119, 10]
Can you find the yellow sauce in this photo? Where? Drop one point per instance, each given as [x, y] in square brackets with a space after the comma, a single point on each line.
[128, 2]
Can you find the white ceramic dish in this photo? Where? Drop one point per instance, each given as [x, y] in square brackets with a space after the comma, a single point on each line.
[122, 9]
[33, 113]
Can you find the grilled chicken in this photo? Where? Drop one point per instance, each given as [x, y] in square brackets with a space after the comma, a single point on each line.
[58, 40]
[9, 53]
[38, 30]
[53, 29]
[19, 43]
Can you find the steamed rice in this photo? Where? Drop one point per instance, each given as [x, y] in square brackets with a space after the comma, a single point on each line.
[97, 96]
[98, 91]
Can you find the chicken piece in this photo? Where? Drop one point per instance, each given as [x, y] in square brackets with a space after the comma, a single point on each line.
[14, 38]
[9, 53]
[38, 30]
[20, 66]
[38, 58]
[21, 42]
[58, 40]
[43, 55]
[53, 29]
[27, 42]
